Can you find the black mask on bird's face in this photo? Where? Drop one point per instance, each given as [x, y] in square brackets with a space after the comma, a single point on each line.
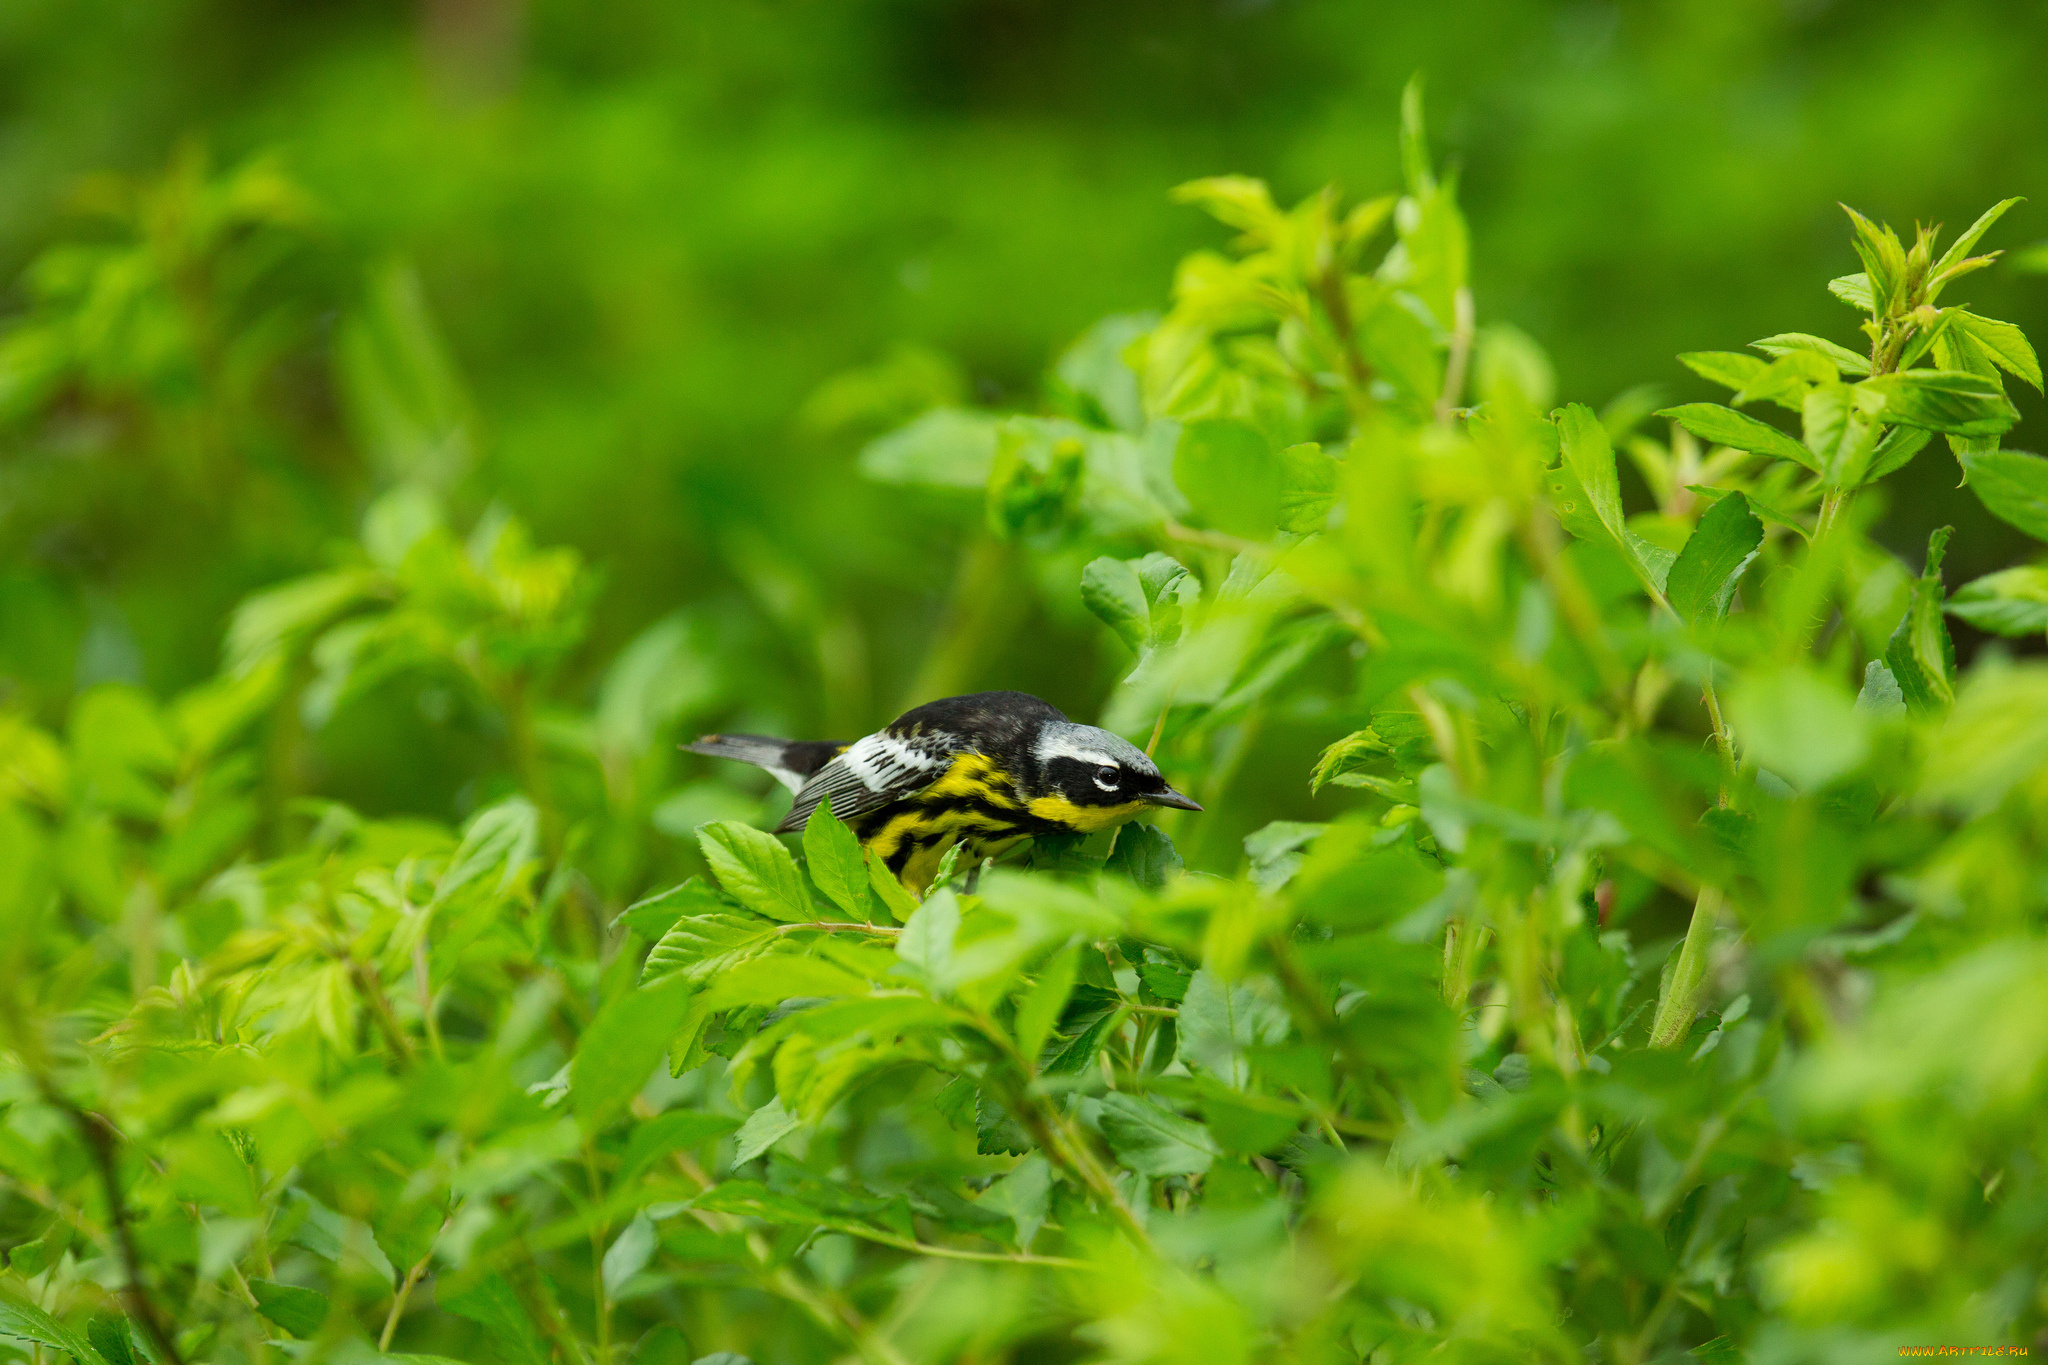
[1100, 772]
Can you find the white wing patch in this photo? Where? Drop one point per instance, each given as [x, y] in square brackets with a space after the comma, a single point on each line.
[872, 772]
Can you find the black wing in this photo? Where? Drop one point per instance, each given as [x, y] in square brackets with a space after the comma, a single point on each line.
[872, 773]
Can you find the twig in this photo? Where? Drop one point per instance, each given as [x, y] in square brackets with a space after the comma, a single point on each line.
[412, 1277]
[99, 1141]
[833, 926]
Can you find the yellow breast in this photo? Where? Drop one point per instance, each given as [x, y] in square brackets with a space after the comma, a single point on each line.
[1082, 819]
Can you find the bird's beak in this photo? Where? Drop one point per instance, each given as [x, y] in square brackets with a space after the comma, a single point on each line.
[1170, 797]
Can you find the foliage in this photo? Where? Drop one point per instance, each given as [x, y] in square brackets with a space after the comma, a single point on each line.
[1661, 982]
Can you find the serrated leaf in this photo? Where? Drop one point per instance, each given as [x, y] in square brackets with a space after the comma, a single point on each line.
[1841, 357]
[1952, 401]
[837, 864]
[1723, 426]
[698, 947]
[1708, 568]
[2012, 602]
[23, 1321]
[1854, 290]
[755, 870]
[2006, 344]
[1040, 1008]
[1153, 1142]
[2013, 485]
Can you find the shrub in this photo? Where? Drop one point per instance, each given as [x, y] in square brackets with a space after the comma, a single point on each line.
[1665, 981]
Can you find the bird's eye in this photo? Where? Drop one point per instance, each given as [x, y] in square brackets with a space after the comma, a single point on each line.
[1106, 778]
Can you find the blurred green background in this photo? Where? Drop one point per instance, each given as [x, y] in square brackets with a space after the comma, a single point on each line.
[653, 239]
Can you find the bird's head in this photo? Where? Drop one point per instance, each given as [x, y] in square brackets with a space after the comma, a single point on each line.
[1090, 779]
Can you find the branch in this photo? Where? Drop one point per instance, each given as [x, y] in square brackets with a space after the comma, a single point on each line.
[98, 1137]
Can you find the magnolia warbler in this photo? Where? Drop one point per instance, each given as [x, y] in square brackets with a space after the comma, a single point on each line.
[988, 770]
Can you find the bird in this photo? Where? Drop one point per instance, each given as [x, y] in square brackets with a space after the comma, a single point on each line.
[987, 770]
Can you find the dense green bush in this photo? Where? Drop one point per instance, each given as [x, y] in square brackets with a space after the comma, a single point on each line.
[1664, 980]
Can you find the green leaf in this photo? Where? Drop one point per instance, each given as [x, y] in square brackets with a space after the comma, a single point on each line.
[1145, 855]
[698, 947]
[109, 1334]
[1153, 1142]
[1953, 401]
[672, 1131]
[945, 448]
[1854, 290]
[1099, 385]
[2006, 344]
[490, 1302]
[838, 866]
[2011, 602]
[1025, 1195]
[2013, 485]
[1883, 257]
[622, 1047]
[1308, 487]
[755, 870]
[1110, 588]
[1920, 655]
[1220, 1019]
[653, 916]
[1841, 357]
[1589, 459]
[1896, 451]
[299, 1311]
[1231, 476]
[1731, 369]
[629, 1252]
[771, 979]
[1080, 1051]
[1703, 580]
[23, 1321]
[1786, 379]
[894, 896]
[925, 946]
[1040, 1008]
[764, 1128]
[1971, 235]
[1800, 724]
[1722, 426]
[504, 838]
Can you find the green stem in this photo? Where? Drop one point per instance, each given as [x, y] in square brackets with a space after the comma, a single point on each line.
[1681, 997]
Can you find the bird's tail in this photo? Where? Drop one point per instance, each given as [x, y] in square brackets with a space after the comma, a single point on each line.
[788, 761]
